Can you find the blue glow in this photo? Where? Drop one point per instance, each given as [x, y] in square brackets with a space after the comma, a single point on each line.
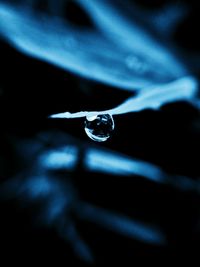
[38, 186]
[117, 27]
[165, 20]
[120, 53]
[80, 247]
[182, 89]
[154, 97]
[113, 163]
[116, 164]
[65, 158]
[122, 224]
[58, 197]
[55, 208]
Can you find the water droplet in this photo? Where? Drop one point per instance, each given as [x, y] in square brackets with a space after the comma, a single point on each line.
[99, 127]
[136, 64]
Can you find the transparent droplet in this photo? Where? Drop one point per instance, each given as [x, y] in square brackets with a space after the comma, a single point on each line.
[99, 127]
[136, 64]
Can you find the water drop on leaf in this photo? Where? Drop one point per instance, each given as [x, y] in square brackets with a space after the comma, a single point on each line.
[99, 127]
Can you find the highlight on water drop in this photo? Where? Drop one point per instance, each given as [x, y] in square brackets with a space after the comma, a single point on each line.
[99, 127]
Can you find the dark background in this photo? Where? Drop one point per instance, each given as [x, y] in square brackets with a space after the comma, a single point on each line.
[30, 90]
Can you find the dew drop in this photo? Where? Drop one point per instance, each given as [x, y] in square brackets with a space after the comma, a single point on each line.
[136, 64]
[99, 127]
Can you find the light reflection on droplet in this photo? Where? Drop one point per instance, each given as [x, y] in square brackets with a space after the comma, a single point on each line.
[99, 127]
